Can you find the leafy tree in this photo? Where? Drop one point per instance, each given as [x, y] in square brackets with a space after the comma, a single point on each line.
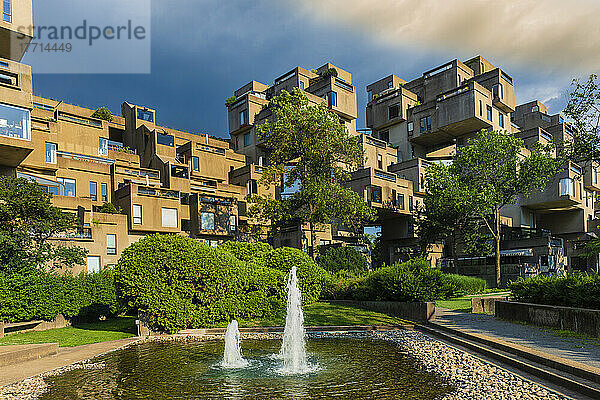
[103, 113]
[110, 208]
[447, 213]
[583, 111]
[497, 170]
[308, 146]
[27, 221]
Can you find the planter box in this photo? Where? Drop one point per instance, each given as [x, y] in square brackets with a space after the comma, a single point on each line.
[8, 328]
[481, 305]
[580, 320]
[417, 312]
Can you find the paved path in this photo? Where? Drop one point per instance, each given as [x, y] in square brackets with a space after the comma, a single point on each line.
[586, 351]
[66, 356]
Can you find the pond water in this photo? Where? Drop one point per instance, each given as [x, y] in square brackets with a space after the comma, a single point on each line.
[341, 368]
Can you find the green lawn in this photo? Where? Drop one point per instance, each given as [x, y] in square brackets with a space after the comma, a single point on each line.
[458, 304]
[96, 332]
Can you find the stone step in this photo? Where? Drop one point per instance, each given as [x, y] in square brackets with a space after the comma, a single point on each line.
[15, 354]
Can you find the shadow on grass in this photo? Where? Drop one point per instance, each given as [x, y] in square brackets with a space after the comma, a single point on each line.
[123, 324]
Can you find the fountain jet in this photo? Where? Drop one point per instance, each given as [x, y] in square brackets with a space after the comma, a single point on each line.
[232, 356]
[293, 350]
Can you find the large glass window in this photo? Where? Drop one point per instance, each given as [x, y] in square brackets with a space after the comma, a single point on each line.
[145, 115]
[332, 97]
[232, 223]
[51, 153]
[104, 191]
[68, 187]
[498, 91]
[393, 111]
[490, 116]
[196, 163]
[93, 264]
[103, 147]
[137, 214]
[111, 244]
[376, 194]
[169, 217]
[179, 172]
[208, 221]
[426, 124]
[7, 11]
[567, 187]
[244, 117]
[15, 122]
[501, 120]
[165, 140]
[247, 140]
[93, 191]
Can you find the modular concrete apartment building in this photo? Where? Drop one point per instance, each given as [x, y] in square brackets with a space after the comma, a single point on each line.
[169, 181]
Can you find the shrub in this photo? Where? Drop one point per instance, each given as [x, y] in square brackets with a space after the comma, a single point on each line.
[245, 251]
[575, 290]
[342, 259]
[230, 100]
[110, 208]
[103, 113]
[43, 295]
[461, 285]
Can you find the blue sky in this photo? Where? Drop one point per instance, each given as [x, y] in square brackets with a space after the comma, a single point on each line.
[202, 50]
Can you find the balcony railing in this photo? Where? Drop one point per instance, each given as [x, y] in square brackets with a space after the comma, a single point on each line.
[521, 233]
[344, 85]
[83, 233]
[82, 157]
[385, 175]
[158, 193]
[80, 120]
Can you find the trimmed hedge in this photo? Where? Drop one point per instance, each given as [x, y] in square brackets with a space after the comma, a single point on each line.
[462, 285]
[344, 258]
[575, 290]
[181, 283]
[43, 295]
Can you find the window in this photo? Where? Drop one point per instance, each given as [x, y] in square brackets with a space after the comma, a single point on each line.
[208, 221]
[261, 161]
[498, 91]
[7, 11]
[103, 147]
[93, 264]
[393, 198]
[179, 172]
[376, 194]
[51, 153]
[237, 142]
[145, 115]
[594, 176]
[247, 140]
[169, 217]
[111, 244]
[196, 163]
[560, 119]
[15, 122]
[68, 187]
[332, 97]
[232, 223]
[137, 214]
[93, 191]
[401, 201]
[104, 191]
[390, 84]
[566, 187]
[410, 203]
[384, 135]
[379, 161]
[410, 127]
[480, 108]
[490, 116]
[244, 117]
[501, 119]
[252, 186]
[393, 111]
[459, 79]
[426, 124]
[301, 83]
[165, 140]
[370, 95]
[535, 109]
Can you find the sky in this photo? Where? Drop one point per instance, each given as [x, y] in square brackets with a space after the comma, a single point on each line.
[203, 50]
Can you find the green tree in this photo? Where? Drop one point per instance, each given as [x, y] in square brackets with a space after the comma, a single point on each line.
[27, 221]
[310, 148]
[103, 113]
[447, 213]
[497, 171]
[583, 111]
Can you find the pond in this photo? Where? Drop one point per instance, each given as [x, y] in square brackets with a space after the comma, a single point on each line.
[343, 368]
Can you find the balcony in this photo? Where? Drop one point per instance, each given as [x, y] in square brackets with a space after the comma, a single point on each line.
[502, 87]
[591, 176]
[562, 193]
[340, 95]
[390, 108]
[15, 135]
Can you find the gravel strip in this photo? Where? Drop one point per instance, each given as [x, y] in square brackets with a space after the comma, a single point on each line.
[472, 378]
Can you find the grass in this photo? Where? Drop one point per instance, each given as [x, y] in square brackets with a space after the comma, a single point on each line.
[326, 314]
[458, 304]
[78, 334]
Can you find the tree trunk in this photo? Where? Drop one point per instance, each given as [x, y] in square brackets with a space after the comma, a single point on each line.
[497, 240]
[454, 255]
[313, 239]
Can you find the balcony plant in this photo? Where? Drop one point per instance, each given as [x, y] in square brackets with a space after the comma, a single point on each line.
[103, 113]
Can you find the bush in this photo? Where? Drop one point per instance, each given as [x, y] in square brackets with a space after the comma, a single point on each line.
[462, 285]
[110, 208]
[575, 290]
[103, 113]
[337, 259]
[230, 100]
[43, 295]
[245, 251]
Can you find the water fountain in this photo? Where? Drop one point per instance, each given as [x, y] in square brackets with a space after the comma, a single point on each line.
[232, 356]
[293, 350]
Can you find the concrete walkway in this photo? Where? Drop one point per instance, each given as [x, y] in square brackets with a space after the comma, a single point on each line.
[586, 351]
[65, 356]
